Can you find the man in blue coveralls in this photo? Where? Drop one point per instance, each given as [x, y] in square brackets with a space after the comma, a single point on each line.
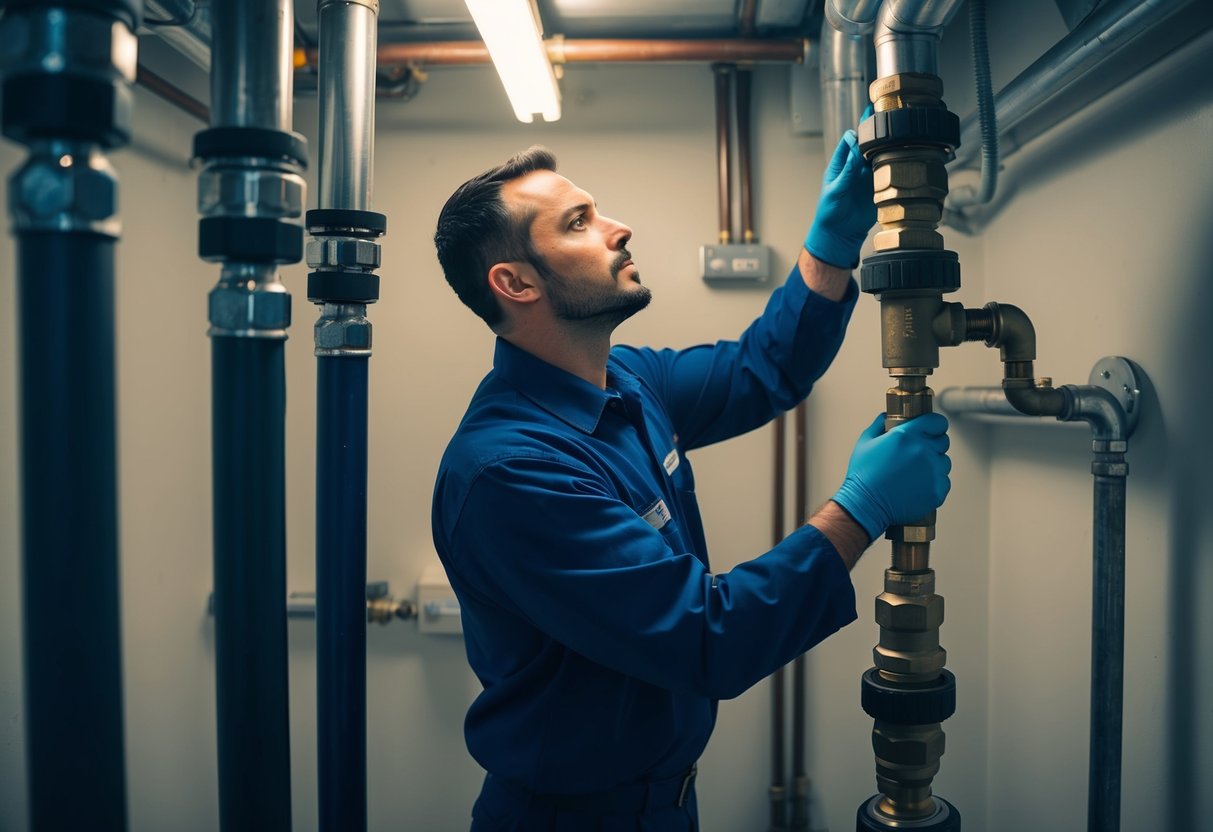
[565, 512]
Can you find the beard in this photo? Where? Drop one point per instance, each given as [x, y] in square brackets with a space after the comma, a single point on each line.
[578, 299]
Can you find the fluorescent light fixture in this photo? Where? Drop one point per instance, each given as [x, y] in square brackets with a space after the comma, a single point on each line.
[511, 33]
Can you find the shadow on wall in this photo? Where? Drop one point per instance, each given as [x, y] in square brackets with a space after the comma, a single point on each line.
[1191, 531]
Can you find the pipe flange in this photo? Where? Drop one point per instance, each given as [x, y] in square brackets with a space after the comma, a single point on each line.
[920, 704]
[345, 222]
[931, 126]
[911, 269]
[945, 818]
[1119, 377]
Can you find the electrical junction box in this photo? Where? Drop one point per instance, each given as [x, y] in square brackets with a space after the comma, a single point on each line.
[735, 263]
[438, 610]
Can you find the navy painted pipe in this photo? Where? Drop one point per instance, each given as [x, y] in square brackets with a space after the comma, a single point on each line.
[341, 465]
[248, 410]
[70, 584]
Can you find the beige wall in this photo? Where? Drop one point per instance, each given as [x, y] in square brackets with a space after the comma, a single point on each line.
[1093, 233]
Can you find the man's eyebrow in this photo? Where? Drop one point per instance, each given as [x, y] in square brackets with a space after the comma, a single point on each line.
[569, 213]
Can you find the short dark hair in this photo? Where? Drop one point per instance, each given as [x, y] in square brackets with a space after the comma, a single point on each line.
[477, 230]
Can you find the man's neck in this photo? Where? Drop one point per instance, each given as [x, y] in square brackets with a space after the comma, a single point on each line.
[580, 352]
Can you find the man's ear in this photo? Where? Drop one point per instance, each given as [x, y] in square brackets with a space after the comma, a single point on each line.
[514, 282]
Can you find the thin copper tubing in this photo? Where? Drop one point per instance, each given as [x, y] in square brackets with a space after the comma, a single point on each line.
[724, 155]
[743, 153]
[562, 51]
[778, 774]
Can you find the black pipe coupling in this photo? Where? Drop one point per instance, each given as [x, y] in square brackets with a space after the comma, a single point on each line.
[909, 127]
[67, 70]
[945, 818]
[249, 192]
[931, 270]
[344, 254]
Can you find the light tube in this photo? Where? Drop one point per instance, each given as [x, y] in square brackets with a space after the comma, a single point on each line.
[511, 34]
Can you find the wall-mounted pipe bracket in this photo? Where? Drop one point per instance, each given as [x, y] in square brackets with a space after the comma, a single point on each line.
[381, 607]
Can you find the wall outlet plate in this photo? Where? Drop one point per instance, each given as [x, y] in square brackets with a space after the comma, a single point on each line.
[735, 263]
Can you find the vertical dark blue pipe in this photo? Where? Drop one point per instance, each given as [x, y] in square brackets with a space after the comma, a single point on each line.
[341, 463]
[248, 410]
[1107, 655]
[70, 581]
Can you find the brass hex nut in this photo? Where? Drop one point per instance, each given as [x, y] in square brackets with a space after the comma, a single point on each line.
[894, 238]
[902, 612]
[906, 83]
[917, 745]
[909, 664]
[927, 211]
[910, 179]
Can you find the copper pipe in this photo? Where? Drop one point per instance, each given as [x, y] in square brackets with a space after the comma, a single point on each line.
[561, 51]
[724, 147]
[743, 154]
[800, 806]
[778, 790]
[153, 83]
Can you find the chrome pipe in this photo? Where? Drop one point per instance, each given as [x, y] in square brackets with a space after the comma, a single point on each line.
[252, 57]
[851, 17]
[348, 44]
[907, 35]
[844, 83]
[1110, 27]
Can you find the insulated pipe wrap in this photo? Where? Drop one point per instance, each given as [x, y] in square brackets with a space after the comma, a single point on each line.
[69, 576]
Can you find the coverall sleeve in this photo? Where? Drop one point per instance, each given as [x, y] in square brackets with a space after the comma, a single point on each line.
[583, 568]
[717, 391]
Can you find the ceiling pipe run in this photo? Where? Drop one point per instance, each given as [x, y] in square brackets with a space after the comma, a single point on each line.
[563, 51]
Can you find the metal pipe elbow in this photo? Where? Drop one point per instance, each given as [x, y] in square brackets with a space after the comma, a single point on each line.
[1012, 332]
[1032, 400]
[1100, 409]
[852, 17]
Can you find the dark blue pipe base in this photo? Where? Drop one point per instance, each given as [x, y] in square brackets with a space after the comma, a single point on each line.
[341, 476]
[248, 403]
[69, 569]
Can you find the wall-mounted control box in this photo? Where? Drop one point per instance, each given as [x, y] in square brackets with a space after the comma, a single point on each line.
[735, 263]
[438, 610]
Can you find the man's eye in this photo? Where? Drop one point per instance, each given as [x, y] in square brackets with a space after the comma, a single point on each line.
[578, 223]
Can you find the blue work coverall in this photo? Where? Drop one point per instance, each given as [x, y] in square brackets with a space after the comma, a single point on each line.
[566, 519]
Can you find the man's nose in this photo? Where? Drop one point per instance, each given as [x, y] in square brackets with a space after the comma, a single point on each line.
[620, 235]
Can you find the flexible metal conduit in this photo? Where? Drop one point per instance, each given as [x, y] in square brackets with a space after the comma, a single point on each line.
[63, 202]
[1109, 405]
[1106, 30]
[250, 194]
[344, 256]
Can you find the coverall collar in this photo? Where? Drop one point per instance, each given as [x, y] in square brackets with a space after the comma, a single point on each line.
[571, 399]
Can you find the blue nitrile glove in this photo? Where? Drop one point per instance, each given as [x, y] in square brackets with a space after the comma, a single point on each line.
[899, 476]
[845, 211]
